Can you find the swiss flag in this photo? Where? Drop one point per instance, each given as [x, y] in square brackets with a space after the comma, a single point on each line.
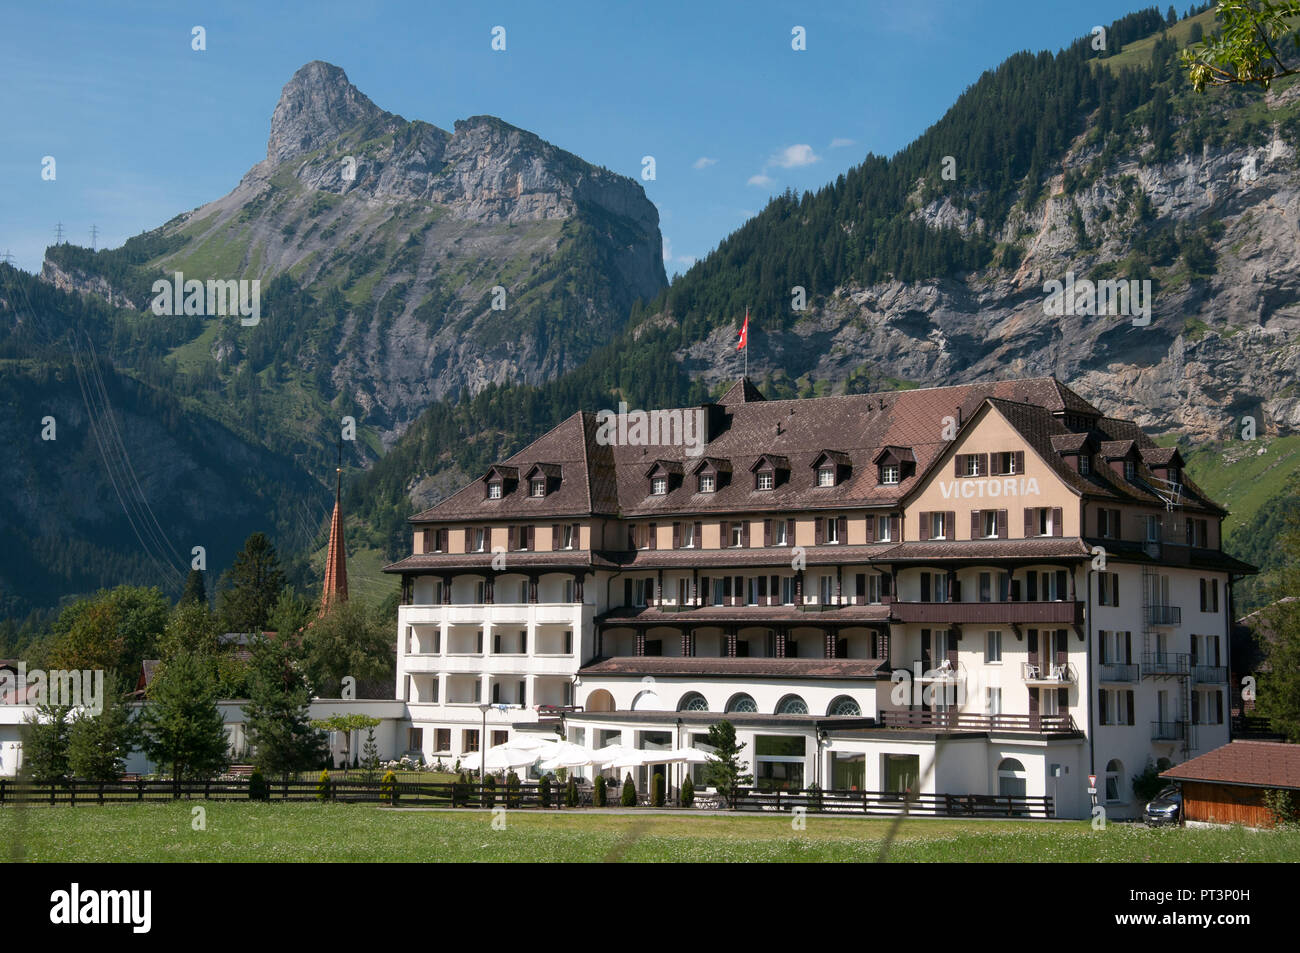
[744, 333]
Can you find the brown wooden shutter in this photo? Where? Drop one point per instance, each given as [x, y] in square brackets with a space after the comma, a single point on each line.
[1057, 529]
[677, 535]
[789, 532]
[1029, 522]
[1033, 702]
[1129, 695]
[925, 526]
[726, 533]
[1020, 462]
[531, 543]
[950, 525]
[1060, 646]
[652, 536]
[767, 532]
[896, 528]
[744, 533]
[426, 540]
[1062, 699]
[1101, 706]
[958, 460]
[819, 532]
[556, 536]
[995, 465]
[706, 591]
[984, 464]
[1033, 647]
[1002, 525]
[871, 529]
[974, 524]
[842, 525]
[699, 535]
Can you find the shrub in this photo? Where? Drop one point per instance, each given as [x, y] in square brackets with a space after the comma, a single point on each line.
[323, 786]
[814, 797]
[598, 791]
[460, 791]
[1149, 783]
[512, 790]
[544, 789]
[257, 787]
[688, 792]
[489, 791]
[629, 792]
[657, 791]
[1282, 805]
[388, 787]
[571, 793]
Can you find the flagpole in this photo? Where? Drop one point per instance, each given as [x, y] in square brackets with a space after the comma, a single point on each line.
[746, 341]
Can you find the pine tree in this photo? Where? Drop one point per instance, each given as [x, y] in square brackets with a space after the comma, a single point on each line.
[254, 581]
[98, 745]
[181, 726]
[195, 592]
[45, 743]
[724, 770]
[277, 716]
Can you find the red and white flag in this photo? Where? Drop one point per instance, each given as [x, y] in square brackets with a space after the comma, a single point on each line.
[744, 333]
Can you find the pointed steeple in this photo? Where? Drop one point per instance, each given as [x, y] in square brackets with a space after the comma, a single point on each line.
[335, 587]
[741, 392]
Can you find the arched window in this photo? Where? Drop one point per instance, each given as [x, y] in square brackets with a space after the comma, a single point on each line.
[1114, 779]
[1011, 777]
[844, 705]
[693, 701]
[1163, 764]
[742, 703]
[647, 700]
[792, 705]
[600, 700]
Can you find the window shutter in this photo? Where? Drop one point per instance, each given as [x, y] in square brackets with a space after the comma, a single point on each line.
[1218, 708]
[789, 532]
[677, 535]
[896, 528]
[950, 525]
[1033, 702]
[510, 537]
[1216, 651]
[842, 525]
[925, 526]
[819, 532]
[706, 591]
[974, 524]
[1196, 708]
[1020, 461]
[1101, 706]
[925, 587]
[556, 532]
[1195, 641]
[767, 532]
[627, 592]
[532, 544]
[1062, 699]
[726, 533]
[654, 535]
[1029, 521]
[1002, 524]
[984, 464]
[1101, 523]
[1033, 646]
[699, 535]
[871, 529]
[995, 465]
[958, 464]
[1060, 646]
[744, 534]
[1114, 588]
[1129, 694]
[427, 543]
[1128, 648]
[925, 648]
[1056, 521]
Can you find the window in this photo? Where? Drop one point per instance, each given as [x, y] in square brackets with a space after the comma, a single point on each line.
[1011, 778]
[874, 588]
[569, 536]
[766, 480]
[992, 647]
[1153, 529]
[688, 535]
[1043, 520]
[972, 468]
[779, 537]
[1114, 779]
[825, 476]
[884, 531]
[737, 534]
[1198, 533]
[845, 706]
[989, 523]
[1108, 589]
[469, 740]
[939, 525]
[708, 483]
[1130, 470]
[986, 587]
[787, 592]
[792, 705]
[832, 530]
[889, 473]
[693, 701]
[1209, 595]
[480, 593]
[1108, 523]
[993, 701]
[742, 703]
[659, 486]
[442, 739]
[1005, 462]
[827, 590]
[494, 491]
[537, 487]
[1085, 464]
[568, 591]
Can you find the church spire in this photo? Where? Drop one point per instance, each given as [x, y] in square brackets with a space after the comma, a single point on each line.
[335, 588]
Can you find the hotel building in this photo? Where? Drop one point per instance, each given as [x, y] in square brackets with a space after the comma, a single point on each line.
[982, 589]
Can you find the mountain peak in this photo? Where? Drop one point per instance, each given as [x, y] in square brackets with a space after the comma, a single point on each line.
[317, 105]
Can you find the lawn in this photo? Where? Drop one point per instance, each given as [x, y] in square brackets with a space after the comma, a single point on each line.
[237, 831]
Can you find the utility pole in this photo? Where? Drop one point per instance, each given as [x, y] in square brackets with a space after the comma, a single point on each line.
[58, 238]
[7, 257]
[94, 234]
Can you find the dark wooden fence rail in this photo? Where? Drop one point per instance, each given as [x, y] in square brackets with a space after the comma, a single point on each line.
[450, 794]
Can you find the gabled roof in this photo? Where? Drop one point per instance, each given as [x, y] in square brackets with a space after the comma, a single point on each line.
[773, 460]
[714, 463]
[1248, 763]
[1162, 457]
[1072, 442]
[741, 392]
[672, 467]
[901, 454]
[1119, 450]
[837, 457]
[549, 470]
[502, 471]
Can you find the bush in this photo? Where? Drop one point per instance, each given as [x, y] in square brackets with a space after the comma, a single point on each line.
[571, 793]
[814, 798]
[1282, 805]
[657, 791]
[460, 791]
[544, 789]
[629, 792]
[323, 786]
[512, 790]
[388, 787]
[257, 787]
[688, 792]
[489, 791]
[598, 791]
[1149, 783]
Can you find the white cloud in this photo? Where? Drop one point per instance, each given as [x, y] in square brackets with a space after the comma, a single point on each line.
[838, 143]
[793, 156]
[760, 180]
[703, 162]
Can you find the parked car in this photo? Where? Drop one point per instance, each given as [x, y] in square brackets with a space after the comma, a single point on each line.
[1165, 808]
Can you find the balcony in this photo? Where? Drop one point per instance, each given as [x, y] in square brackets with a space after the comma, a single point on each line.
[989, 613]
[940, 670]
[1117, 672]
[1210, 674]
[1164, 615]
[963, 721]
[1161, 664]
[1168, 730]
[1051, 674]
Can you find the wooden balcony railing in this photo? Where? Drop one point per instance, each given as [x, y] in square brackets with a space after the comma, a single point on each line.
[964, 721]
[989, 613]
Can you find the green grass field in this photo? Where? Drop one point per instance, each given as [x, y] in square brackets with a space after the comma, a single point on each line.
[238, 831]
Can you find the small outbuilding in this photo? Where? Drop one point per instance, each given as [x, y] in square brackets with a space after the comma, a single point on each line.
[1228, 785]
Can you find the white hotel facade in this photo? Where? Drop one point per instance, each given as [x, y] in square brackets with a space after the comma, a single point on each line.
[983, 589]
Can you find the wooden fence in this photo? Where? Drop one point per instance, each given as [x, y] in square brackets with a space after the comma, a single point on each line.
[892, 802]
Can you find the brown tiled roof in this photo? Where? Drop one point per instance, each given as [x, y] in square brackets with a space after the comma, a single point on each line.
[735, 667]
[1250, 763]
[747, 615]
[1069, 442]
[741, 392]
[1161, 456]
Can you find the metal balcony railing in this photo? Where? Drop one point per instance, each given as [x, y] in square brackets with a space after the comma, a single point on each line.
[1164, 615]
[1118, 672]
[1164, 663]
[1168, 730]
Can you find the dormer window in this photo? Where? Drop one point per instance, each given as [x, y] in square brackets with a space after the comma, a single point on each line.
[889, 474]
[537, 487]
[708, 483]
[494, 490]
[826, 476]
[659, 486]
[1130, 470]
[1085, 465]
[766, 480]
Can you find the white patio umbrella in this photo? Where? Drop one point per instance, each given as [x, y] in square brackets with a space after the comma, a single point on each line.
[687, 756]
[635, 758]
[500, 758]
[568, 755]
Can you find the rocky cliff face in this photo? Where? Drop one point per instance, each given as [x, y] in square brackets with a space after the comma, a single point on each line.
[1221, 342]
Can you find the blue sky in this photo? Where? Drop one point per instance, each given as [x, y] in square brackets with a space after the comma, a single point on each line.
[142, 127]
